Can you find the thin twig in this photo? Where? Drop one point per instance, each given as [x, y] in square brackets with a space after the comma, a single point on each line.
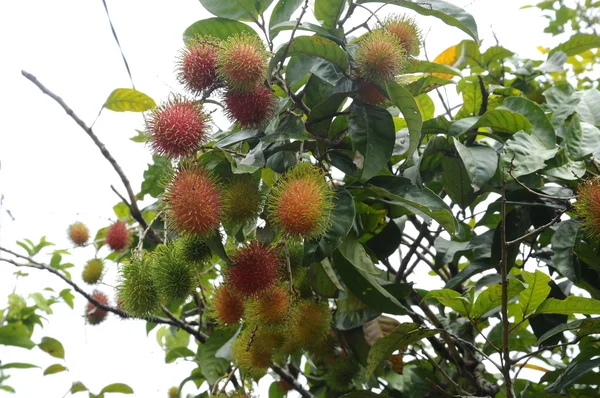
[536, 231]
[287, 376]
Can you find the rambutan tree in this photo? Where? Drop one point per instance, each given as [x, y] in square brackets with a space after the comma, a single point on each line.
[341, 236]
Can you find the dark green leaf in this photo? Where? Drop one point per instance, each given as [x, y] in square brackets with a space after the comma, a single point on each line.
[219, 28]
[212, 367]
[582, 139]
[363, 394]
[471, 269]
[563, 327]
[56, 368]
[237, 10]
[117, 387]
[457, 182]
[404, 101]
[571, 374]
[128, 99]
[541, 128]
[321, 282]
[563, 246]
[275, 391]
[480, 162]
[329, 11]
[589, 106]
[386, 242]
[536, 292]
[283, 11]
[560, 99]
[352, 313]
[525, 154]
[306, 26]
[154, 176]
[53, 347]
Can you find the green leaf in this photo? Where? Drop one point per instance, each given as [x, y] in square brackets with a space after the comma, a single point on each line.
[56, 368]
[275, 391]
[154, 176]
[321, 282]
[18, 365]
[496, 53]
[577, 44]
[67, 296]
[373, 136]
[128, 100]
[541, 128]
[563, 247]
[426, 84]
[560, 99]
[457, 182]
[219, 28]
[117, 387]
[447, 12]
[78, 387]
[536, 292]
[569, 306]
[404, 101]
[582, 139]
[283, 11]
[589, 106]
[491, 298]
[237, 10]
[342, 219]
[354, 252]
[16, 334]
[329, 11]
[53, 347]
[571, 374]
[307, 27]
[212, 367]
[525, 154]
[405, 334]
[559, 329]
[480, 162]
[499, 120]
[417, 66]
[451, 299]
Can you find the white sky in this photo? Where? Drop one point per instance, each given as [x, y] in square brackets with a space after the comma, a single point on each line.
[52, 175]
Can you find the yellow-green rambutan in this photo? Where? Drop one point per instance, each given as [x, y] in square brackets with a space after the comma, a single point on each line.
[380, 56]
[242, 62]
[241, 200]
[340, 373]
[301, 202]
[311, 323]
[250, 351]
[136, 291]
[174, 278]
[92, 271]
[271, 307]
[587, 206]
[405, 29]
[228, 306]
[193, 249]
[78, 233]
[174, 392]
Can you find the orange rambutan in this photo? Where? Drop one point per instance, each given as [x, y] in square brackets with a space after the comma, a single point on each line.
[242, 62]
[312, 322]
[406, 31]
[117, 236]
[271, 307]
[253, 108]
[78, 233]
[587, 206]
[94, 314]
[229, 307]
[380, 56]
[197, 65]
[255, 269]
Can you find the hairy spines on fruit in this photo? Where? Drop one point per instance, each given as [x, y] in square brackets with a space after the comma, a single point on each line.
[587, 206]
[301, 202]
[177, 128]
[136, 290]
[193, 249]
[94, 314]
[242, 62]
[269, 308]
[340, 373]
[229, 307]
[405, 29]
[241, 200]
[92, 271]
[255, 269]
[118, 237]
[312, 323]
[174, 278]
[197, 65]
[78, 233]
[251, 108]
[380, 56]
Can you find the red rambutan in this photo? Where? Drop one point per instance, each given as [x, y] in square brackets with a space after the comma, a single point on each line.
[229, 307]
[242, 62]
[177, 128]
[193, 201]
[255, 269]
[197, 66]
[250, 109]
[93, 314]
[78, 233]
[117, 236]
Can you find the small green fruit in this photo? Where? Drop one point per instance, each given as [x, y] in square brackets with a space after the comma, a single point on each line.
[92, 271]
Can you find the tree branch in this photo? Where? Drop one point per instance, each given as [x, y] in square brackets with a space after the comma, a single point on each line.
[287, 376]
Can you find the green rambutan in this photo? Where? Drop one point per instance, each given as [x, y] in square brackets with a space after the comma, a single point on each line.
[174, 392]
[136, 291]
[253, 108]
[197, 65]
[587, 206]
[241, 200]
[255, 269]
[270, 307]
[301, 202]
[92, 271]
[193, 249]
[242, 62]
[229, 307]
[174, 278]
[177, 128]
[78, 233]
[340, 373]
[312, 323]
[407, 32]
[93, 314]
[192, 201]
[117, 236]
[380, 56]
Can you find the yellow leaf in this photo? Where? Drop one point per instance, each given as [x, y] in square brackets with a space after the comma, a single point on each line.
[447, 57]
[543, 50]
[534, 367]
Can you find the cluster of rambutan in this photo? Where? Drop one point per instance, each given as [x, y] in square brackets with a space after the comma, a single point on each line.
[383, 53]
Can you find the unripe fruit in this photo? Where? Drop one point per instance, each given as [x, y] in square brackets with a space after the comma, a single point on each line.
[136, 291]
[340, 373]
[78, 233]
[197, 66]
[93, 314]
[255, 269]
[193, 249]
[270, 307]
[241, 200]
[301, 202]
[229, 307]
[173, 277]
[117, 236]
[312, 322]
[177, 128]
[380, 56]
[174, 392]
[253, 349]
[587, 206]
[250, 109]
[193, 201]
[242, 62]
[370, 94]
[406, 31]
[92, 271]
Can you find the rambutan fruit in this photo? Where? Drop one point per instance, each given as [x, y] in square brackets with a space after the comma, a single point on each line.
[242, 62]
[312, 322]
[340, 373]
[78, 233]
[253, 108]
[270, 307]
[117, 236]
[587, 206]
[193, 249]
[192, 201]
[249, 354]
[92, 271]
[229, 307]
[241, 200]
[407, 32]
[197, 65]
[370, 94]
[174, 278]
[296, 253]
[136, 291]
[93, 314]
[255, 269]
[301, 202]
[380, 56]
[177, 128]
[174, 392]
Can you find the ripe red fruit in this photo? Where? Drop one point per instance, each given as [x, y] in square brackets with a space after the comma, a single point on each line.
[588, 206]
[255, 269]
[93, 314]
[197, 66]
[250, 109]
[370, 94]
[242, 62]
[193, 201]
[117, 236]
[229, 306]
[78, 233]
[380, 56]
[177, 128]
